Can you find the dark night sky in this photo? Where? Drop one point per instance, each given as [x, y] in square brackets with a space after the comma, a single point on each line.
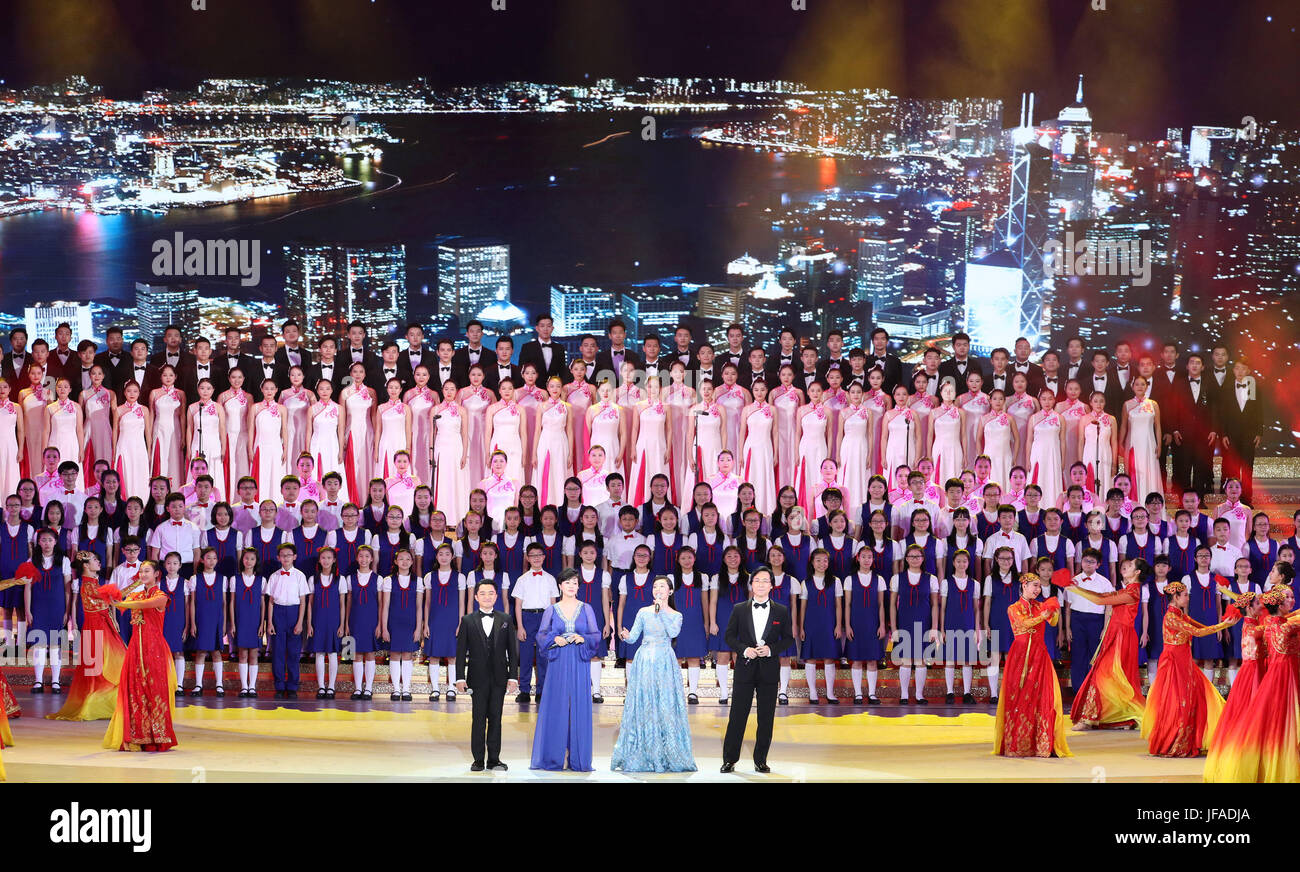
[1148, 63]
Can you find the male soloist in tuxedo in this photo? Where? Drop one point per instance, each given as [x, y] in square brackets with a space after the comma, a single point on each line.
[487, 660]
[1241, 422]
[542, 353]
[758, 629]
[1195, 429]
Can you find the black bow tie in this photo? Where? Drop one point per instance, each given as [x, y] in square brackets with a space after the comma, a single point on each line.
[1193, 381]
[544, 344]
[1123, 368]
[1219, 371]
[390, 372]
[85, 369]
[1243, 384]
[760, 605]
[139, 369]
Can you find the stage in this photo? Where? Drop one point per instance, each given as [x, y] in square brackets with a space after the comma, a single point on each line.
[270, 740]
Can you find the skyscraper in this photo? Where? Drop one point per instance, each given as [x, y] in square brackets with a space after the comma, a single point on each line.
[656, 309]
[961, 233]
[473, 273]
[1072, 173]
[160, 305]
[993, 298]
[576, 310]
[43, 318]
[1024, 229]
[329, 286]
[880, 271]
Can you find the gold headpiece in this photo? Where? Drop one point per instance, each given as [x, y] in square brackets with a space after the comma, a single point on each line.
[1274, 596]
[1174, 588]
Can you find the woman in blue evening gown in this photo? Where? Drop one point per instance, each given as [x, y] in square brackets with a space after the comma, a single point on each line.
[568, 638]
[654, 735]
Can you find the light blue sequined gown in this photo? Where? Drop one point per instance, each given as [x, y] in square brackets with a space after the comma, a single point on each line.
[654, 735]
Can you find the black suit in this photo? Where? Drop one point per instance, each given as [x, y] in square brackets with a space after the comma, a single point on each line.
[951, 369]
[487, 663]
[492, 376]
[190, 377]
[1033, 374]
[112, 371]
[406, 364]
[605, 361]
[891, 366]
[73, 375]
[1082, 369]
[1241, 427]
[1193, 419]
[159, 358]
[1115, 395]
[1056, 383]
[151, 381]
[16, 375]
[337, 373]
[991, 384]
[59, 368]
[532, 353]
[368, 359]
[461, 362]
[437, 376]
[1165, 394]
[826, 365]
[255, 372]
[378, 379]
[283, 363]
[760, 675]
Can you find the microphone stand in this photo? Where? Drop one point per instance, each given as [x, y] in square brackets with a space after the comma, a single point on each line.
[433, 458]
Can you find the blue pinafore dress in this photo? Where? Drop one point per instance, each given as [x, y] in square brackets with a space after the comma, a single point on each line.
[864, 617]
[209, 611]
[821, 606]
[444, 614]
[693, 640]
[174, 615]
[914, 613]
[248, 611]
[1202, 605]
[636, 598]
[781, 593]
[402, 614]
[363, 612]
[728, 595]
[325, 600]
[959, 622]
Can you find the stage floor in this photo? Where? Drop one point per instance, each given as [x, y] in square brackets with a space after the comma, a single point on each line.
[270, 740]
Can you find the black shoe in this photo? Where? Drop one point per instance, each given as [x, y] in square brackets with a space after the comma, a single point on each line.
[873, 700]
[196, 691]
[947, 699]
[968, 699]
[993, 700]
[476, 766]
[762, 767]
[832, 700]
[291, 694]
[782, 699]
[598, 698]
[356, 694]
[329, 693]
[320, 693]
[857, 700]
[367, 694]
[922, 701]
[56, 688]
[620, 663]
[522, 698]
[727, 768]
[692, 699]
[220, 691]
[433, 697]
[498, 766]
[406, 697]
[395, 697]
[38, 688]
[279, 694]
[538, 698]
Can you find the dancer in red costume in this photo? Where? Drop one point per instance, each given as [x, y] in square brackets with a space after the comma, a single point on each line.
[147, 691]
[93, 693]
[1029, 720]
[1111, 695]
[1183, 708]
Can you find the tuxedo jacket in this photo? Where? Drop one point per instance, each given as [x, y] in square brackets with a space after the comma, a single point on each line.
[406, 364]
[461, 362]
[1240, 426]
[338, 372]
[151, 381]
[949, 369]
[112, 371]
[218, 374]
[1116, 396]
[304, 357]
[492, 377]
[158, 358]
[741, 360]
[712, 373]
[1195, 418]
[1162, 390]
[825, 365]
[1084, 367]
[1034, 374]
[1058, 387]
[990, 386]
[16, 375]
[60, 368]
[532, 353]
[775, 361]
[487, 661]
[73, 375]
[605, 361]
[779, 636]
[377, 378]
[892, 368]
[344, 356]
[255, 373]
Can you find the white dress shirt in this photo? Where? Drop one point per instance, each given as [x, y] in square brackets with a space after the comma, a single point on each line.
[1095, 583]
[286, 587]
[535, 589]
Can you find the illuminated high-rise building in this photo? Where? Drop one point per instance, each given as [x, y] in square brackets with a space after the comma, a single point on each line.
[576, 310]
[1273, 255]
[994, 301]
[326, 287]
[880, 271]
[472, 275]
[43, 318]
[1024, 230]
[656, 309]
[159, 305]
[1072, 172]
[961, 238]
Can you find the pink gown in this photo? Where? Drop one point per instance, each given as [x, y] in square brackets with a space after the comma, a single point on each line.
[786, 404]
[268, 448]
[678, 399]
[421, 403]
[580, 396]
[605, 426]
[391, 440]
[972, 412]
[98, 409]
[168, 446]
[553, 462]
[297, 405]
[651, 444]
[757, 461]
[359, 450]
[475, 407]
[1021, 410]
[236, 440]
[34, 412]
[877, 404]
[530, 401]
[10, 451]
[132, 458]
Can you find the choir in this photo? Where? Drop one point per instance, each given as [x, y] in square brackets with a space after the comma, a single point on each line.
[343, 502]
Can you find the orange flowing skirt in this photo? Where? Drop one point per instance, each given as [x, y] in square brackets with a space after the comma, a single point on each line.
[1183, 708]
[1110, 695]
[1261, 745]
[93, 694]
[1029, 720]
[8, 702]
[146, 694]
